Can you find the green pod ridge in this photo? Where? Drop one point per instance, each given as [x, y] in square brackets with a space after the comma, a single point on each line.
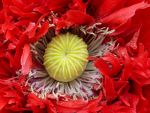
[65, 57]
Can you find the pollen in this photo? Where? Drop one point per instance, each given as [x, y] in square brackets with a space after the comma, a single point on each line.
[65, 57]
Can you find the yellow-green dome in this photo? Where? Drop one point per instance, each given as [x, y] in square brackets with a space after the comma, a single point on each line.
[65, 57]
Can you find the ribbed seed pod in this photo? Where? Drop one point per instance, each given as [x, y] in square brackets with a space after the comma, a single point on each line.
[65, 57]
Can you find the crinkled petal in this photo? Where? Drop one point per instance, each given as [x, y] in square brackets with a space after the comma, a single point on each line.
[26, 60]
[74, 17]
[124, 14]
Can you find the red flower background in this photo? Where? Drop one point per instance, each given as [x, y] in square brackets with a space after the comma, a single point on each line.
[126, 86]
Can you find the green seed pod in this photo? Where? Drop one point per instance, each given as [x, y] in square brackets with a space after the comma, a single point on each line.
[65, 57]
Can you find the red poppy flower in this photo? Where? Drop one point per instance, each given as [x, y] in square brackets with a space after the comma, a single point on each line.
[74, 56]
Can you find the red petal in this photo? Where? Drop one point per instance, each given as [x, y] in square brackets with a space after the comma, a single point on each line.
[114, 62]
[78, 5]
[19, 3]
[109, 88]
[71, 106]
[133, 41]
[93, 105]
[146, 91]
[145, 31]
[115, 108]
[58, 5]
[20, 13]
[33, 100]
[130, 100]
[124, 14]
[5, 70]
[26, 59]
[36, 104]
[74, 17]
[36, 32]
[109, 6]
[3, 103]
[42, 31]
[121, 87]
[103, 67]
[126, 72]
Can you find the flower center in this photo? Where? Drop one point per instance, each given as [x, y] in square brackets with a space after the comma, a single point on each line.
[65, 57]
